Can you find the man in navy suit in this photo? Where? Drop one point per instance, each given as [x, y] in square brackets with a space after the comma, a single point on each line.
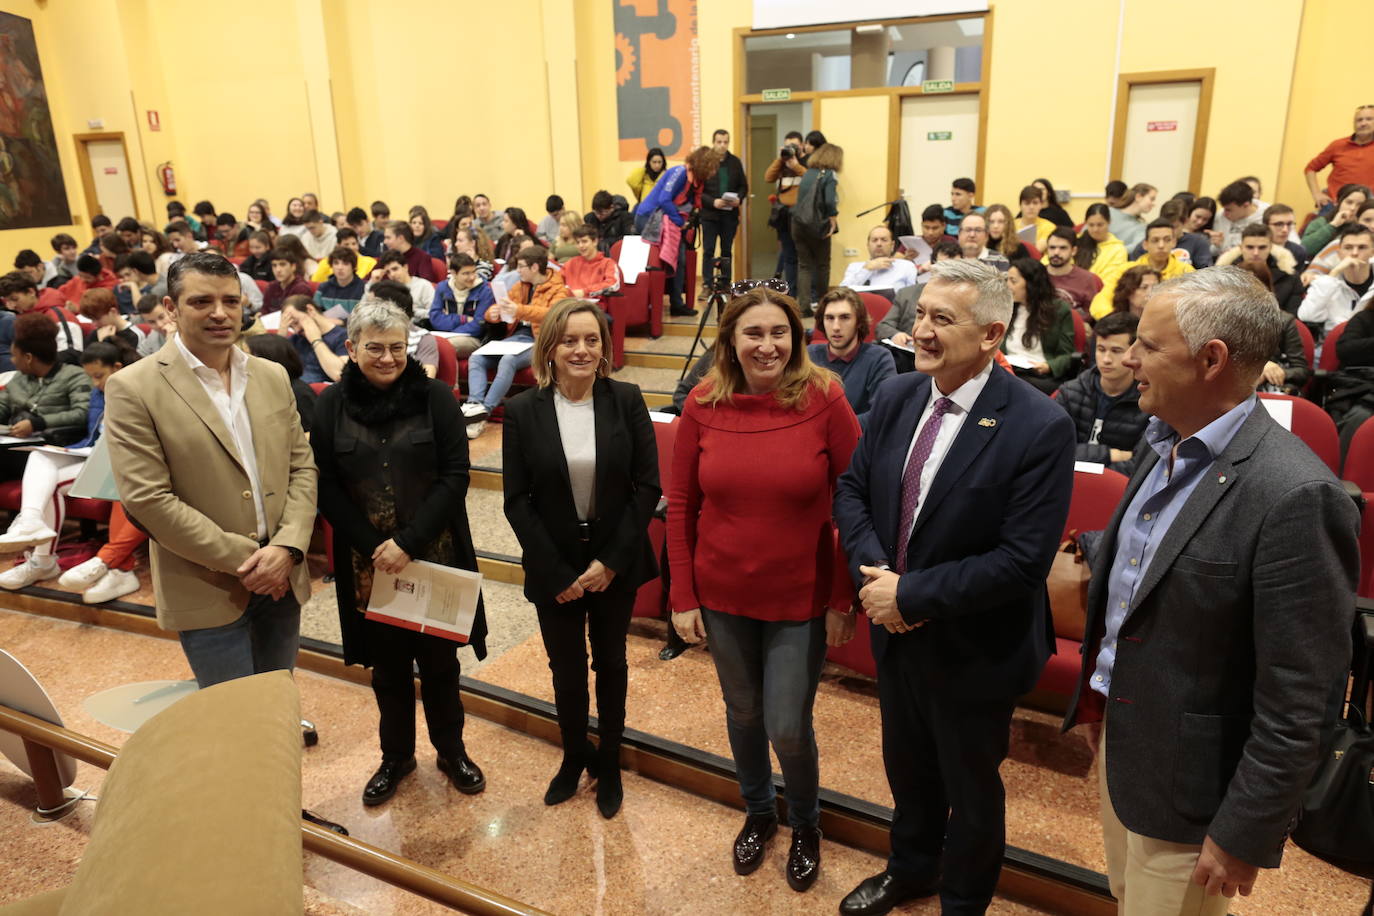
[950, 512]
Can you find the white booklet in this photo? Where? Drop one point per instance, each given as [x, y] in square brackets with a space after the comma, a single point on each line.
[427, 597]
[96, 480]
[503, 347]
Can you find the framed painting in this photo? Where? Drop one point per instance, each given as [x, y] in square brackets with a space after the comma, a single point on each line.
[32, 192]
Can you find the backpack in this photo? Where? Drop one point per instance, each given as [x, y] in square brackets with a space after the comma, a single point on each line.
[806, 214]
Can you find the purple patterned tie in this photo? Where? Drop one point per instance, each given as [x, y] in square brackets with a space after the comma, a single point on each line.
[911, 477]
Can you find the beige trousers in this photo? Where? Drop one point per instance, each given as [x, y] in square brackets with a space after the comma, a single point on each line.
[1150, 877]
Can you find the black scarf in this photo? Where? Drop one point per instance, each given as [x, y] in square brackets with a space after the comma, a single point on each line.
[371, 406]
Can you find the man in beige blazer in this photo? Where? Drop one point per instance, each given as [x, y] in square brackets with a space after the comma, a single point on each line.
[210, 459]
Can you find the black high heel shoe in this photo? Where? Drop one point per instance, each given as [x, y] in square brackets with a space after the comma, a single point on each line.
[563, 786]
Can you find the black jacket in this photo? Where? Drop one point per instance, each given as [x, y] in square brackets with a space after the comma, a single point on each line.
[1122, 427]
[258, 268]
[539, 500]
[1356, 344]
[729, 177]
[614, 227]
[1293, 358]
[406, 442]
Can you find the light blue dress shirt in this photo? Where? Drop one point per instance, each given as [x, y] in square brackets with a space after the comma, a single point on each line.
[1156, 504]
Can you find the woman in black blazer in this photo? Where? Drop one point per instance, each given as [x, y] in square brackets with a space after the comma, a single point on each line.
[581, 480]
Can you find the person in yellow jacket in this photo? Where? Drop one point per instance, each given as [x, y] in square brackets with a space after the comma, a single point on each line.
[1032, 202]
[642, 179]
[347, 239]
[1160, 255]
[1102, 253]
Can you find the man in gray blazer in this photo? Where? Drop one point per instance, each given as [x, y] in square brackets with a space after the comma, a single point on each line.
[1219, 614]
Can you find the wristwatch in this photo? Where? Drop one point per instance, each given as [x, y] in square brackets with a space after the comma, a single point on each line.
[297, 556]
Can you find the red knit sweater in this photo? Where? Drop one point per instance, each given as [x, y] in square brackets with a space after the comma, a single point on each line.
[749, 508]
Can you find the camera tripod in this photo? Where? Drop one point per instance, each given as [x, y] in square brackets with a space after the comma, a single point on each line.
[720, 288]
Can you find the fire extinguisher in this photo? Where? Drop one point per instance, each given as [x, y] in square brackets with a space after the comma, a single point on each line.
[168, 179]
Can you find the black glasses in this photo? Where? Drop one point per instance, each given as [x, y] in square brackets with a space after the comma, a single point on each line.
[776, 284]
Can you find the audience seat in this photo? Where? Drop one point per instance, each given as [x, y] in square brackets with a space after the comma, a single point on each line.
[440, 269]
[1327, 363]
[448, 363]
[319, 387]
[1309, 351]
[1080, 331]
[91, 510]
[1359, 470]
[878, 307]
[652, 598]
[636, 300]
[1314, 426]
[262, 285]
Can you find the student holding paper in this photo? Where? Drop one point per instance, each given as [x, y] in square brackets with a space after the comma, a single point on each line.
[393, 478]
[48, 475]
[581, 483]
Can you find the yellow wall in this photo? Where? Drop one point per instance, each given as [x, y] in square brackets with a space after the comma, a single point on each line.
[863, 179]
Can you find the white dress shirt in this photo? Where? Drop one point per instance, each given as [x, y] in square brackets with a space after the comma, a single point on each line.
[964, 398]
[234, 412]
[901, 273]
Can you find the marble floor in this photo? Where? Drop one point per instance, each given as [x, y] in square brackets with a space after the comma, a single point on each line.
[666, 853]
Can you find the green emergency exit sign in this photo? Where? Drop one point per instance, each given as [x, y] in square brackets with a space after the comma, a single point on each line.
[930, 86]
[939, 135]
[777, 95]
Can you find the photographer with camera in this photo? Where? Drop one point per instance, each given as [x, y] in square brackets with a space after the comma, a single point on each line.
[786, 171]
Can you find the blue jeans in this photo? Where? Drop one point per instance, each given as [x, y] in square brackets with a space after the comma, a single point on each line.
[478, 367]
[768, 674]
[264, 638]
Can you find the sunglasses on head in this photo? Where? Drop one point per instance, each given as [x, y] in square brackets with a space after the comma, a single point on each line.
[776, 284]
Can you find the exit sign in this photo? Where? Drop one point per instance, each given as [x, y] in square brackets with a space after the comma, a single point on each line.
[777, 95]
[937, 86]
[939, 135]
[1156, 126]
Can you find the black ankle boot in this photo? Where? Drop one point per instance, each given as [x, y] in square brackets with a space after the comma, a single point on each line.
[609, 791]
[563, 786]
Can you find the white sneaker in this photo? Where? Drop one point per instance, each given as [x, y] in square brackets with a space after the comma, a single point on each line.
[114, 584]
[27, 573]
[83, 575]
[474, 409]
[475, 429]
[27, 530]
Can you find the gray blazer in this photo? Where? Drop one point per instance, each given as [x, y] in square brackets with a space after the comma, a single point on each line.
[1237, 640]
[902, 316]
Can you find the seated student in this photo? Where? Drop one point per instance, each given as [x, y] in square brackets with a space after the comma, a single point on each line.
[1334, 297]
[509, 276]
[899, 320]
[343, 288]
[293, 244]
[204, 214]
[21, 296]
[64, 263]
[319, 341]
[460, 304]
[563, 248]
[1159, 256]
[319, 237]
[1117, 194]
[227, 232]
[89, 275]
[356, 219]
[41, 272]
[374, 242]
[610, 216]
[100, 226]
[426, 239]
[1329, 255]
[514, 227]
[111, 247]
[392, 266]
[99, 307]
[130, 230]
[279, 349]
[933, 226]
[1324, 228]
[1191, 248]
[1104, 401]
[529, 301]
[152, 313]
[156, 244]
[1238, 210]
[1287, 370]
[861, 366]
[47, 476]
[590, 274]
[421, 345]
[293, 223]
[47, 396]
[547, 230]
[1281, 221]
[182, 238]
[286, 280]
[138, 275]
[470, 241]
[1074, 283]
[1001, 238]
[1257, 247]
[488, 217]
[1128, 221]
[398, 237]
[348, 238]
[1032, 202]
[1052, 211]
[882, 270]
[961, 204]
[1039, 340]
[1133, 288]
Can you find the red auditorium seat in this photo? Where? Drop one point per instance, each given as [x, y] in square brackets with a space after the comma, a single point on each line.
[637, 299]
[651, 599]
[1359, 470]
[94, 510]
[878, 307]
[1329, 362]
[440, 268]
[1080, 331]
[448, 363]
[1314, 426]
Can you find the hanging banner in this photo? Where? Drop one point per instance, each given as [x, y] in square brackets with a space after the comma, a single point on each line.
[657, 76]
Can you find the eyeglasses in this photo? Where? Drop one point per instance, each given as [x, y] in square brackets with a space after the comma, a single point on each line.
[1276, 224]
[776, 284]
[377, 351]
[973, 230]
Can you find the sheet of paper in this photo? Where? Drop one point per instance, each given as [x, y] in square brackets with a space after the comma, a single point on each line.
[1281, 410]
[13, 440]
[84, 452]
[1089, 467]
[447, 335]
[96, 478]
[429, 598]
[634, 257]
[919, 248]
[272, 321]
[5, 377]
[1021, 362]
[503, 347]
[887, 341]
[658, 417]
[1027, 234]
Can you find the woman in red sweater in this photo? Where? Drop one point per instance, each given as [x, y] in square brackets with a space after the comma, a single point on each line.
[754, 555]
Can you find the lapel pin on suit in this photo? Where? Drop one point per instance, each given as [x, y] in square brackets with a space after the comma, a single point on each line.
[989, 422]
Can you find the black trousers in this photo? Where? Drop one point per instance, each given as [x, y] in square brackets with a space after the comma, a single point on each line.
[942, 754]
[394, 653]
[603, 619]
[722, 229]
[813, 266]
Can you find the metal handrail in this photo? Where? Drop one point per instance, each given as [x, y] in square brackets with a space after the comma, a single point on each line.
[355, 854]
